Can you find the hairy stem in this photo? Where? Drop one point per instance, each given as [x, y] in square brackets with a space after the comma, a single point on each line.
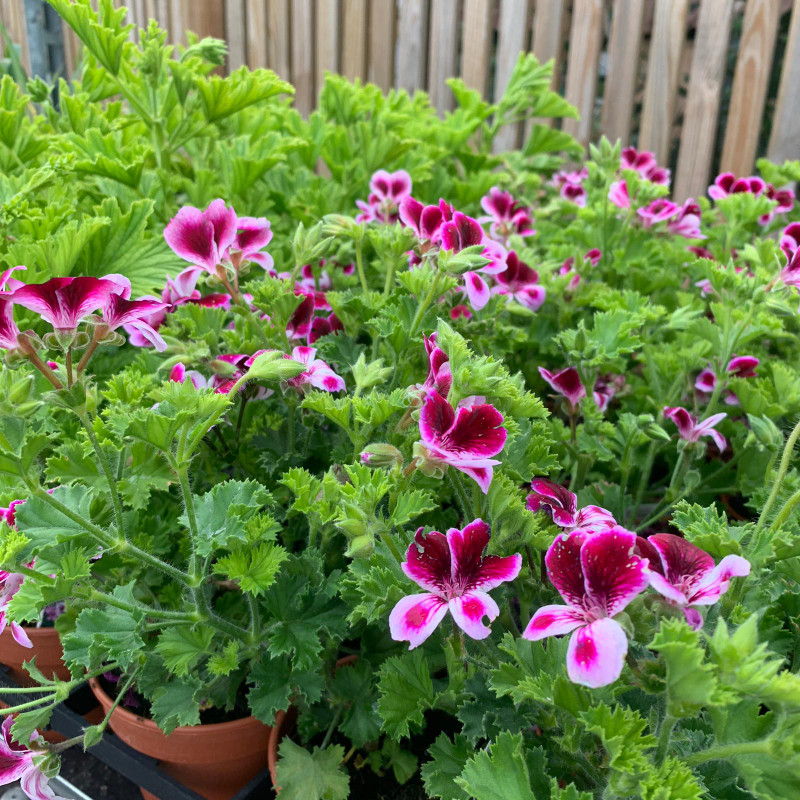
[783, 468]
[727, 751]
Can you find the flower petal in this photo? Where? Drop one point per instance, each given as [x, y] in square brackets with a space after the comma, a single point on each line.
[481, 475]
[552, 621]
[680, 558]
[191, 237]
[469, 610]
[466, 549]
[428, 561]
[716, 583]
[495, 570]
[436, 418]
[476, 289]
[415, 618]
[614, 574]
[596, 653]
[19, 635]
[564, 568]
[476, 431]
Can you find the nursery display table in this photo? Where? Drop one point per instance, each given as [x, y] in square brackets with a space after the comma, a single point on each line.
[68, 720]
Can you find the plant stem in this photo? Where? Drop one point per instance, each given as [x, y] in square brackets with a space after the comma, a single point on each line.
[116, 501]
[68, 362]
[783, 467]
[120, 696]
[423, 307]
[360, 266]
[255, 620]
[188, 501]
[88, 354]
[386, 538]
[786, 511]
[337, 715]
[240, 418]
[721, 751]
[42, 367]
[389, 282]
[102, 597]
[664, 735]
[41, 701]
[458, 490]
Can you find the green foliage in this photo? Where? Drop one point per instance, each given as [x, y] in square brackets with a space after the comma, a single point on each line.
[311, 776]
[406, 691]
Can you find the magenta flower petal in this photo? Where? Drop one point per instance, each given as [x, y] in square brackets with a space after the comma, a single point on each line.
[679, 557]
[19, 635]
[618, 194]
[191, 237]
[567, 383]
[8, 328]
[223, 220]
[684, 421]
[564, 568]
[428, 561]
[715, 582]
[614, 575]
[252, 235]
[415, 618]
[706, 381]
[476, 430]
[594, 516]
[596, 653]
[552, 620]
[466, 548]
[743, 366]
[476, 290]
[468, 611]
[436, 418]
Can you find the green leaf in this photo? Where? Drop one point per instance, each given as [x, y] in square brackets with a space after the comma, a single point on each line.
[411, 504]
[176, 703]
[311, 776]
[225, 662]
[500, 771]
[273, 685]
[446, 765]
[45, 525]
[691, 683]
[622, 732]
[406, 691]
[221, 513]
[352, 686]
[707, 528]
[673, 780]
[225, 96]
[254, 568]
[182, 647]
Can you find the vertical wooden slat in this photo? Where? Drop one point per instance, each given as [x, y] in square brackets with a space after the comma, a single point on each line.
[256, 31]
[443, 51]
[585, 38]
[303, 55]
[476, 44]
[12, 12]
[512, 40]
[548, 43]
[327, 40]
[412, 35]
[278, 46]
[354, 39]
[750, 82]
[702, 103]
[663, 68]
[623, 67]
[784, 141]
[235, 33]
[177, 22]
[381, 43]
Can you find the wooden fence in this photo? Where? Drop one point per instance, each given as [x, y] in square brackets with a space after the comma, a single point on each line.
[706, 85]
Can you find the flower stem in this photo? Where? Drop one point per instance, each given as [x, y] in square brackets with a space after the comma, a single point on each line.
[786, 511]
[722, 751]
[116, 501]
[41, 701]
[360, 266]
[68, 362]
[664, 734]
[423, 307]
[783, 467]
[41, 366]
[88, 354]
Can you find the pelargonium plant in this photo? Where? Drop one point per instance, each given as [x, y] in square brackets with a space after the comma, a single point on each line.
[490, 476]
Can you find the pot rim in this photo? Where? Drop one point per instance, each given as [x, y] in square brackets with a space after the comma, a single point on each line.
[137, 719]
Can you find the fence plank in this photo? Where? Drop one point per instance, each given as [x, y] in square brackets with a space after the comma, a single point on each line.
[784, 141]
[326, 26]
[548, 44]
[702, 104]
[256, 27]
[476, 46]
[585, 38]
[12, 13]
[663, 75]
[303, 55]
[443, 52]
[750, 83]
[511, 41]
[177, 23]
[623, 68]
[410, 68]
[236, 34]
[381, 43]
[203, 17]
[354, 44]
[278, 37]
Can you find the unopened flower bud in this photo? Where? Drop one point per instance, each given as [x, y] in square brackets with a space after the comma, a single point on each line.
[379, 454]
[360, 547]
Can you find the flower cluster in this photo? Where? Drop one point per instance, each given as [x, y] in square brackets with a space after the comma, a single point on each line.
[386, 192]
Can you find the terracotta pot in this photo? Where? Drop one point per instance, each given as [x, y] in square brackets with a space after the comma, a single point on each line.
[46, 648]
[215, 760]
[284, 723]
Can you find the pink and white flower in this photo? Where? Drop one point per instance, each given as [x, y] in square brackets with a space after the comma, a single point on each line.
[65, 302]
[790, 274]
[658, 211]
[386, 191]
[618, 194]
[460, 311]
[465, 438]
[506, 215]
[521, 283]
[790, 239]
[120, 311]
[317, 373]
[23, 764]
[685, 575]
[439, 378]
[425, 221]
[324, 326]
[562, 506]
[593, 256]
[727, 184]
[644, 162]
[253, 234]
[605, 388]
[462, 232]
[691, 429]
[10, 583]
[687, 223]
[457, 578]
[738, 367]
[598, 575]
[567, 383]
[570, 185]
[179, 374]
[8, 328]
